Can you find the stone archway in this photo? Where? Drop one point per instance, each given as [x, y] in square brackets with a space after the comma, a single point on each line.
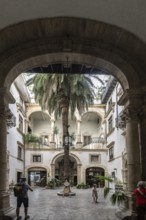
[84, 41]
[37, 175]
[100, 170]
[112, 49]
[76, 178]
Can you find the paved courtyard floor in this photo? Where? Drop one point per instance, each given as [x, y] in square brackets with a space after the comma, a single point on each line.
[45, 204]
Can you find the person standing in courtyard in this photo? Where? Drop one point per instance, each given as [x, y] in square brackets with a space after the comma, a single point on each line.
[140, 196]
[94, 193]
[22, 197]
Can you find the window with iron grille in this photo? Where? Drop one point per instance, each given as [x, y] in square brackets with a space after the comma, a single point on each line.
[19, 152]
[36, 158]
[95, 158]
[111, 153]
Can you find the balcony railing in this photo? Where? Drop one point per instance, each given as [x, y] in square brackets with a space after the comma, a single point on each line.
[100, 140]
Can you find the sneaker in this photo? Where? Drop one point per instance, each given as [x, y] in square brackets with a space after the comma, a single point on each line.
[27, 217]
[20, 217]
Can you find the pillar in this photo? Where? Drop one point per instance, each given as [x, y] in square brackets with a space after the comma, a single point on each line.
[132, 101]
[79, 143]
[142, 134]
[52, 143]
[133, 147]
[79, 173]
[52, 170]
[4, 110]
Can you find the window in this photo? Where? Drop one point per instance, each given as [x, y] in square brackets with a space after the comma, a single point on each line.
[36, 158]
[110, 123]
[113, 174]
[45, 139]
[95, 158]
[87, 140]
[19, 152]
[20, 123]
[111, 153]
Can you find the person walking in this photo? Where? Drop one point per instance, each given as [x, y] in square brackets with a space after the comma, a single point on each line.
[23, 198]
[140, 196]
[94, 193]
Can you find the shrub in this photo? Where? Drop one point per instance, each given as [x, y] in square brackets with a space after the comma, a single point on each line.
[82, 186]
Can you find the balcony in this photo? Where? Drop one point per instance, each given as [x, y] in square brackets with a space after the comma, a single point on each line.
[96, 143]
[120, 121]
[98, 140]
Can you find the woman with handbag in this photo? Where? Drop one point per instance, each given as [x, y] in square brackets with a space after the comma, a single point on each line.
[140, 196]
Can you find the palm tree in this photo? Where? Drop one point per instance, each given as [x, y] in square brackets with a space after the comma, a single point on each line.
[60, 92]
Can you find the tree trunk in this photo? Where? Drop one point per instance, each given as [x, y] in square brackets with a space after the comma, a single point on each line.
[65, 113]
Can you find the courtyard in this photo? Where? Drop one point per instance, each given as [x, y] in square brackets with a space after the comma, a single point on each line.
[45, 204]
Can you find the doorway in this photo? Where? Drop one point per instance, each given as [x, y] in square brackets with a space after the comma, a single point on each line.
[90, 176]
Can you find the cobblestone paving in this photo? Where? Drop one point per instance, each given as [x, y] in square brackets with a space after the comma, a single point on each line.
[45, 204]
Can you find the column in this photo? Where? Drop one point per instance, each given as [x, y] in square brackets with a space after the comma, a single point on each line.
[142, 134]
[6, 98]
[52, 170]
[79, 143]
[4, 196]
[52, 143]
[133, 148]
[79, 173]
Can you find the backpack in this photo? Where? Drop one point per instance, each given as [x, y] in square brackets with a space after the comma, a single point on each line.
[19, 190]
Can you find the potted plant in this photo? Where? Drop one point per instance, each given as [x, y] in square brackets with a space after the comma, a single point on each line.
[31, 138]
[82, 186]
[119, 195]
[53, 183]
[102, 179]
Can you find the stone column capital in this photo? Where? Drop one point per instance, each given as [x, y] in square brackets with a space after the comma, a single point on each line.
[131, 113]
[131, 97]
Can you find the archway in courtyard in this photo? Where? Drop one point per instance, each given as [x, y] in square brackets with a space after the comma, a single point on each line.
[91, 178]
[75, 168]
[37, 176]
[91, 43]
[59, 169]
[39, 123]
[90, 126]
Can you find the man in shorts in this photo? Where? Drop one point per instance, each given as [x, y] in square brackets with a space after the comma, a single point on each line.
[94, 193]
[23, 199]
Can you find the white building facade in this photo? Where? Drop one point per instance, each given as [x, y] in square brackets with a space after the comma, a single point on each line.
[98, 147]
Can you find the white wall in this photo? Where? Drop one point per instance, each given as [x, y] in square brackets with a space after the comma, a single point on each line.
[13, 137]
[119, 146]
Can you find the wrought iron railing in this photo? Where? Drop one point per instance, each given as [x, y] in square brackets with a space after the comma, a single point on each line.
[101, 140]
